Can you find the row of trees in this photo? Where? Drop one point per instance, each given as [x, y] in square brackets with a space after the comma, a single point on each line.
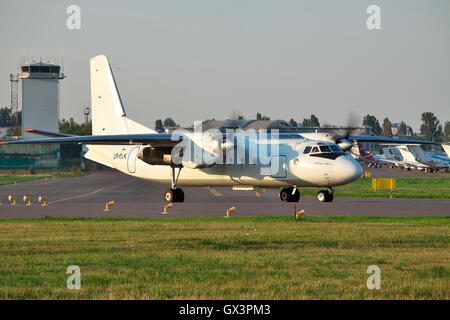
[5, 121]
[430, 129]
[70, 153]
[313, 121]
[168, 123]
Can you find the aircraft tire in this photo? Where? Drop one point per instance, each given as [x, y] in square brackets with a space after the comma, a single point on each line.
[296, 196]
[179, 195]
[324, 196]
[287, 196]
[174, 195]
[169, 195]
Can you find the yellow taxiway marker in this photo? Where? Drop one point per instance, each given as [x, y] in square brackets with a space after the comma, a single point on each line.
[12, 200]
[260, 191]
[301, 213]
[166, 207]
[27, 200]
[109, 205]
[42, 200]
[231, 210]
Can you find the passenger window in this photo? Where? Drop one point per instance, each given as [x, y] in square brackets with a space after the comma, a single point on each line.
[315, 149]
[307, 149]
[325, 149]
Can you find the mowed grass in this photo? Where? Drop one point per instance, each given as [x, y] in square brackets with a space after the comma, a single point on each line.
[437, 188]
[217, 258]
[16, 178]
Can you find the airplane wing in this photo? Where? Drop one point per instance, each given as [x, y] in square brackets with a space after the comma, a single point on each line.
[152, 139]
[386, 140]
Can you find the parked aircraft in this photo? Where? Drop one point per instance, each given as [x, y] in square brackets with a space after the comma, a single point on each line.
[409, 161]
[446, 148]
[435, 162]
[237, 159]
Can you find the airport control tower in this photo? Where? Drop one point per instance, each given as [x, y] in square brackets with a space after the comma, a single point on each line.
[40, 97]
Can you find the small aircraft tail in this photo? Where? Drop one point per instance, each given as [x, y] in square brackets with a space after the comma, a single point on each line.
[446, 149]
[406, 154]
[108, 114]
[362, 152]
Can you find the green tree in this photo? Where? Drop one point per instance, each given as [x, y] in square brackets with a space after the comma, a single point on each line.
[430, 128]
[169, 123]
[70, 152]
[293, 123]
[71, 127]
[447, 131]
[402, 129]
[17, 132]
[372, 122]
[159, 125]
[313, 121]
[5, 117]
[387, 128]
[259, 116]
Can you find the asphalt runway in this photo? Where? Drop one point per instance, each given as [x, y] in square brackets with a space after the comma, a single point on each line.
[86, 197]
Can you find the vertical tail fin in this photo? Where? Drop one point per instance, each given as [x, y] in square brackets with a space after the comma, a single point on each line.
[446, 149]
[108, 113]
[406, 154]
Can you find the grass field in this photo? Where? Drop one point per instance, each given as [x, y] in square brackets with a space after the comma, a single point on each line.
[236, 258]
[16, 178]
[406, 188]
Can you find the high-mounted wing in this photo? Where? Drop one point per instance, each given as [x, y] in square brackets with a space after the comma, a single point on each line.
[387, 140]
[152, 139]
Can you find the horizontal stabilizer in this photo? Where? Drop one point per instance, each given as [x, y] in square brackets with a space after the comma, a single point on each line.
[49, 134]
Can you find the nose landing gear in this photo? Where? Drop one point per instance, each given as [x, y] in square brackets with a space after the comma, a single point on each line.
[325, 195]
[290, 194]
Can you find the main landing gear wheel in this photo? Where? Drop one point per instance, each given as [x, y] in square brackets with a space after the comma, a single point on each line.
[325, 196]
[174, 195]
[289, 195]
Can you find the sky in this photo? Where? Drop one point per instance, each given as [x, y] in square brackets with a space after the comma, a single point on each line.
[203, 59]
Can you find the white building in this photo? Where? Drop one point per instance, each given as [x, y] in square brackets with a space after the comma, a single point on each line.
[40, 97]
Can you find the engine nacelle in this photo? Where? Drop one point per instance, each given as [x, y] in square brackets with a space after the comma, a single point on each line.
[345, 144]
[155, 156]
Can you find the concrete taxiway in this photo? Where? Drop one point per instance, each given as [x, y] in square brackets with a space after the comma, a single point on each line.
[86, 197]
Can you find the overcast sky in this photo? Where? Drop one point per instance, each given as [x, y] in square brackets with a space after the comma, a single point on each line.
[194, 60]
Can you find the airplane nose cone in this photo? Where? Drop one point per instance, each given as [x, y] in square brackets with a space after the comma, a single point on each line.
[346, 170]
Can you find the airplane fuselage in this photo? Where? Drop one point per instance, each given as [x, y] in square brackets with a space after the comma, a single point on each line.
[294, 167]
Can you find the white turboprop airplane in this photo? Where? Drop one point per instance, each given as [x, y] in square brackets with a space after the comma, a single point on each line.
[123, 144]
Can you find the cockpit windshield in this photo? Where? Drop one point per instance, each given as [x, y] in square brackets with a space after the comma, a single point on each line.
[335, 148]
[325, 149]
[330, 151]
